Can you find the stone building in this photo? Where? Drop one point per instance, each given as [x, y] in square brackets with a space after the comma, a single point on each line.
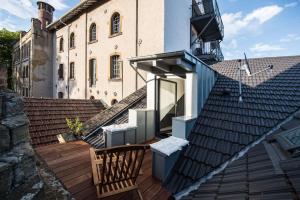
[84, 54]
[32, 56]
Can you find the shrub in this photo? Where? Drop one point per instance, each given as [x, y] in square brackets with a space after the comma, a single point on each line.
[74, 125]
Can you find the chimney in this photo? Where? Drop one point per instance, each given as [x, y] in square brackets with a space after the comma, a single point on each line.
[45, 13]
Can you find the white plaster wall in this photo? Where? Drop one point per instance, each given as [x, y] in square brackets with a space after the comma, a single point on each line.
[177, 14]
[150, 16]
[151, 27]
[76, 55]
[106, 46]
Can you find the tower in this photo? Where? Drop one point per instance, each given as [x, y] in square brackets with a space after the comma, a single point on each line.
[45, 13]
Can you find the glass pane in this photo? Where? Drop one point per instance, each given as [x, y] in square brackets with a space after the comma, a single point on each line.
[167, 102]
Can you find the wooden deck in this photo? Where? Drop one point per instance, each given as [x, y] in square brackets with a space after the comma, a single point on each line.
[71, 164]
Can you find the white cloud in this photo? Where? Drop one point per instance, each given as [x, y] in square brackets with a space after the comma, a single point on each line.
[20, 8]
[57, 4]
[8, 24]
[230, 45]
[26, 9]
[293, 4]
[260, 47]
[290, 38]
[235, 23]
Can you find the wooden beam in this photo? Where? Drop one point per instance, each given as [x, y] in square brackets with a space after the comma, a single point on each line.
[161, 66]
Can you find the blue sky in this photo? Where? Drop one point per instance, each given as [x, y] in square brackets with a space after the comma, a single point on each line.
[258, 27]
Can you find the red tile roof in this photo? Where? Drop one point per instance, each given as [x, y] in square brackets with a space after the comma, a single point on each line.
[48, 116]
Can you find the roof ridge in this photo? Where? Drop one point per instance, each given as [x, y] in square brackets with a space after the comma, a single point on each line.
[267, 57]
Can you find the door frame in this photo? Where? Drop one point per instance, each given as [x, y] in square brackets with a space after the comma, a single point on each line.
[157, 102]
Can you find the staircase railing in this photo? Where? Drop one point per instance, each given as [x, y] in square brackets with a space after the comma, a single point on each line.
[208, 48]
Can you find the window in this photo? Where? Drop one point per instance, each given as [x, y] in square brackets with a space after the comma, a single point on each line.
[17, 55]
[93, 32]
[114, 101]
[92, 98]
[72, 70]
[60, 95]
[61, 71]
[115, 23]
[25, 92]
[115, 67]
[26, 72]
[23, 74]
[61, 44]
[72, 40]
[92, 72]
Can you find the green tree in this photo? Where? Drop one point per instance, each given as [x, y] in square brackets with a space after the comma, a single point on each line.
[7, 40]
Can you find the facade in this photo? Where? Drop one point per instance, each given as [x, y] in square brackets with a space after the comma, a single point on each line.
[32, 60]
[87, 49]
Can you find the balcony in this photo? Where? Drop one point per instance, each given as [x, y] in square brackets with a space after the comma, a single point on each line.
[207, 21]
[208, 51]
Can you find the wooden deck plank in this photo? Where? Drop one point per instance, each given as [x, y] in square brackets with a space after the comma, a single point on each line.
[71, 164]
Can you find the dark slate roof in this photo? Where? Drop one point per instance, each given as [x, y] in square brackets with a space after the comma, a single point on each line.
[48, 116]
[225, 126]
[267, 171]
[116, 114]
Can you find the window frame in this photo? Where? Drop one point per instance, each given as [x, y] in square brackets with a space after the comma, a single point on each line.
[115, 74]
[113, 25]
[60, 95]
[72, 40]
[61, 44]
[72, 71]
[93, 33]
[60, 71]
[92, 72]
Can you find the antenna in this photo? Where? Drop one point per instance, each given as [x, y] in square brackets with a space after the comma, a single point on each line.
[246, 68]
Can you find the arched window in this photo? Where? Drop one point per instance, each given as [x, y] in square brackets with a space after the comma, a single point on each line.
[61, 44]
[92, 98]
[114, 101]
[93, 32]
[60, 95]
[115, 23]
[72, 40]
[115, 68]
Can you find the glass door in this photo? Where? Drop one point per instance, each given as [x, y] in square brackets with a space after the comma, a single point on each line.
[167, 99]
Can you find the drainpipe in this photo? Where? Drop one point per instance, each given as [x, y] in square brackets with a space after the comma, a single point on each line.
[86, 62]
[136, 39]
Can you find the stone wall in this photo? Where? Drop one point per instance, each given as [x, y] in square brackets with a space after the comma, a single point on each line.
[18, 172]
[3, 76]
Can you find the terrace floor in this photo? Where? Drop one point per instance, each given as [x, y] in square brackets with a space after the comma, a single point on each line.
[71, 164]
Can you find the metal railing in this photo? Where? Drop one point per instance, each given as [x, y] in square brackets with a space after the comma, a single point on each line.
[209, 49]
[204, 7]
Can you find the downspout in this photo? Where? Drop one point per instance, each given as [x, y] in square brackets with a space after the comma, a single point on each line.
[136, 39]
[86, 63]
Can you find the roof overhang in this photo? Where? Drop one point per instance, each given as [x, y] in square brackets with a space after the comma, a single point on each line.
[178, 63]
[74, 12]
